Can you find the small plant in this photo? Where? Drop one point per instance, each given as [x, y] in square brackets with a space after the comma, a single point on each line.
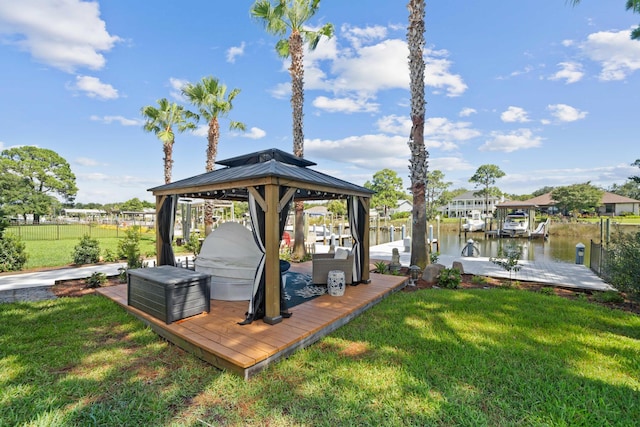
[381, 267]
[129, 248]
[508, 259]
[96, 280]
[433, 257]
[194, 244]
[122, 275]
[449, 278]
[87, 251]
[13, 255]
[109, 256]
[547, 290]
[479, 280]
[608, 297]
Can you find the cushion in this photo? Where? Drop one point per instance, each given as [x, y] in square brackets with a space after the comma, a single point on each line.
[341, 254]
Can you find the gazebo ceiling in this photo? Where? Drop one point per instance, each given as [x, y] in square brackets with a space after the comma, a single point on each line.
[265, 167]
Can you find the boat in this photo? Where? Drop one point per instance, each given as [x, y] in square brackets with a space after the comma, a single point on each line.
[515, 224]
[474, 222]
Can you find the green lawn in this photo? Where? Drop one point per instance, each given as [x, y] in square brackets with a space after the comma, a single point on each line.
[56, 253]
[433, 357]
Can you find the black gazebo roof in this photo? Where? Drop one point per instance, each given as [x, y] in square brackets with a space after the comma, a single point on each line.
[262, 167]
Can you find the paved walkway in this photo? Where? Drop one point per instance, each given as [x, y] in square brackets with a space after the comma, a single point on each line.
[555, 273]
[29, 286]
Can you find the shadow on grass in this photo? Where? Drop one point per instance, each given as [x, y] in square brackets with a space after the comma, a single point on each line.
[499, 357]
[434, 357]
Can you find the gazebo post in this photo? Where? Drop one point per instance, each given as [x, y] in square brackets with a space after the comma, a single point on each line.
[272, 256]
[365, 241]
[159, 242]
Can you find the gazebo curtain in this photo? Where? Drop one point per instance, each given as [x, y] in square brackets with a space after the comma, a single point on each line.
[357, 215]
[257, 302]
[166, 217]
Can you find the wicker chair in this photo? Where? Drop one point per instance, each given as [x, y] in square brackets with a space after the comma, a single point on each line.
[324, 263]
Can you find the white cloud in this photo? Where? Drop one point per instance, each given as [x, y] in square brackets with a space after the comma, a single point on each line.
[345, 105]
[201, 130]
[358, 36]
[520, 139]
[176, 88]
[94, 88]
[571, 72]
[65, 34]
[371, 152]
[235, 51]
[566, 113]
[254, 133]
[439, 132]
[466, 112]
[368, 64]
[84, 161]
[514, 115]
[616, 53]
[117, 119]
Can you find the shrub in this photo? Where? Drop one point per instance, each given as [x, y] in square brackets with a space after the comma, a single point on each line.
[623, 263]
[399, 215]
[449, 278]
[87, 251]
[194, 244]
[129, 248]
[96, 280]
[433, 257]
[13, 256]
[109, 256]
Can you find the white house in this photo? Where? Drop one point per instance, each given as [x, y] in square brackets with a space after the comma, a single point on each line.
[403, 206]
[462, 205]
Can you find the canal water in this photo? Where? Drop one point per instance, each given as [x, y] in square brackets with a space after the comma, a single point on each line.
[557, 249]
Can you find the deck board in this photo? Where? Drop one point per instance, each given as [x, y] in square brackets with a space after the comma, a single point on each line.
[246, 349]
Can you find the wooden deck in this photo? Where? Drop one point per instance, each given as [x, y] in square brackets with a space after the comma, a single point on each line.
[217, 338]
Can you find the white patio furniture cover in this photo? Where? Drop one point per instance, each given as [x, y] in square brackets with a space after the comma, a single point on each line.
[230, 255]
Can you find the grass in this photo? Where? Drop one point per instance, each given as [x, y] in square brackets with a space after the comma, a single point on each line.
[56, 253]
[432, 357]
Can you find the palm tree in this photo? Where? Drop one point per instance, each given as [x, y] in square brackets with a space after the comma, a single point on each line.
[418, 163]
[210, 97]
[161, 121]
[283, 16]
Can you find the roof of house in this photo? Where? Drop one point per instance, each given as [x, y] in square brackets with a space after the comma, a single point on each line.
[607, 198]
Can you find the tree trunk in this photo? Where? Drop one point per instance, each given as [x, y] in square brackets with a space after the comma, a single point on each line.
[297, 102]
[168, 161]
[418, 164]
[212, 152]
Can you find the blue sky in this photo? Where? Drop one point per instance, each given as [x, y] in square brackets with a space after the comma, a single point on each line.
[546, 91]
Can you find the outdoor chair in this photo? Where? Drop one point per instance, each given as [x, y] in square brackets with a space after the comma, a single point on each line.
[323, 263]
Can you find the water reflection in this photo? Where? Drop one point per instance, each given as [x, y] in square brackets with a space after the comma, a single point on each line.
[558, 249]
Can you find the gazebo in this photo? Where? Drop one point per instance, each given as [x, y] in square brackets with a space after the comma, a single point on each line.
[269, 181]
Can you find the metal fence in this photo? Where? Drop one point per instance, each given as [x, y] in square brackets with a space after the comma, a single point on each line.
[62, 231]
[598, 258]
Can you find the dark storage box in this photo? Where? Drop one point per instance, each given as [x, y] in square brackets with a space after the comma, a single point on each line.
[169, 293]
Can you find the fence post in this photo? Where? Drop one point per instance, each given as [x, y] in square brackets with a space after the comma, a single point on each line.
[58, 230]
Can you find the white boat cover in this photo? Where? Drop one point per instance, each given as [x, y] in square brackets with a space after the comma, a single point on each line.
[230, 255]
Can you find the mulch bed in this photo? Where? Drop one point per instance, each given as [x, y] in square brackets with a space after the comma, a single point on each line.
[78, 288]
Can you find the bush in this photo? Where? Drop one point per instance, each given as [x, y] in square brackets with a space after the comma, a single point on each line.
[449, 278]
[109, 256]
[87, 251]
[96, 280]
[400, 215]
[194, 244]
[381, 267]
[13, 256]
[129, 248]
[623, 262]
